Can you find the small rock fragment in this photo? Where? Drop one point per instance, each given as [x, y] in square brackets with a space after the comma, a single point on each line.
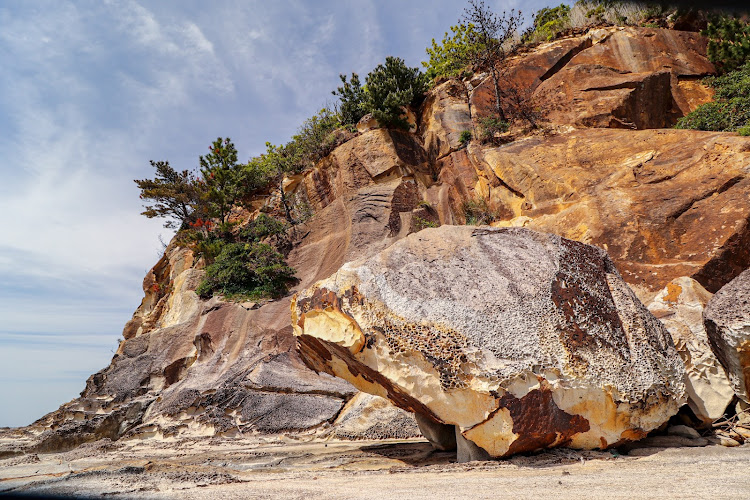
[684, 431]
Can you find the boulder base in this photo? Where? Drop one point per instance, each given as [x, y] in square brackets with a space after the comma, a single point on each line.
[521, 340]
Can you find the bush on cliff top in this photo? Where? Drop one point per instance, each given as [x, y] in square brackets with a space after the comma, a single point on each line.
[247, 263]
[388, 88]
[730, 110]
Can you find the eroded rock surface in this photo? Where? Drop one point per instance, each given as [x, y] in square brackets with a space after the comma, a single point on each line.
[727, 321]
[188, 367]
[615, 77]
[663, 203]
[521, 340]
[680, 307]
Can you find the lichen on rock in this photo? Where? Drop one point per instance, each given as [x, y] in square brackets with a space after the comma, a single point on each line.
[522, 340]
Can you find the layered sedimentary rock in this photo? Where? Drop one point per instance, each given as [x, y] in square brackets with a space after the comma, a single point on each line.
[521, 340]
[616, 77]
[193, 367]
[727, 321]
[680, 307]
[663, 203]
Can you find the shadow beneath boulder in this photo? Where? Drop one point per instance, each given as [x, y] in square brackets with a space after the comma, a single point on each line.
[414, 454]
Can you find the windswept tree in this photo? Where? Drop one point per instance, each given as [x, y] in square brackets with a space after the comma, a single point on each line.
[174, 196]
[491, 38]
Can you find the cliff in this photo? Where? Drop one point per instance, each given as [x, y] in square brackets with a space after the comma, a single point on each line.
[602, 170]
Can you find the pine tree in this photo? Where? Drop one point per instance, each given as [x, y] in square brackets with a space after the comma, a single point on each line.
[224, 178]
[352, 105]
[392, 86]
[728, 42]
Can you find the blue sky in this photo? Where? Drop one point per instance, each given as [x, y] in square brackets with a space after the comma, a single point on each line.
[90, 91]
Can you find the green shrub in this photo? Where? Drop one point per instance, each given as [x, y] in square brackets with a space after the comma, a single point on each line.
[390, 87]
[262, 227]
[477, 212]
[731, 108]
[248, 270]
[744, 131]
[314, 139]
[547, 24]
[465, 138]
[492, 125]
[421, 223]
[452, 56]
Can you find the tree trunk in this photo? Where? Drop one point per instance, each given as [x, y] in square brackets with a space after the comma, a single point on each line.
[496, 84]
[284, 202]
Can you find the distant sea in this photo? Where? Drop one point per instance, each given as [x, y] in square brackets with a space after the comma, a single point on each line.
[41, 370]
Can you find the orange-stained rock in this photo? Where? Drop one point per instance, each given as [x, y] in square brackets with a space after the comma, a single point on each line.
[663, 203]
[445, 115]
[613, 77]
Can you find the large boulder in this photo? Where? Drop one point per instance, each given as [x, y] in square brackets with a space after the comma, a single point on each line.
[680, 307]
[521, 340]
[727, 321]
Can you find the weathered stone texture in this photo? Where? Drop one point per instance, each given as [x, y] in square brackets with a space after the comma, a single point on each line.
[520, 339]
[680, 307]
[613, 77]
[664, 203]
[727, 321]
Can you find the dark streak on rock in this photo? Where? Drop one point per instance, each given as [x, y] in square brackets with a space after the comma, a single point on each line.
[539, 422]
[580, 293]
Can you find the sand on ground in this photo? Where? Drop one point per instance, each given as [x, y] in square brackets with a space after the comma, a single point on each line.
[279, 467]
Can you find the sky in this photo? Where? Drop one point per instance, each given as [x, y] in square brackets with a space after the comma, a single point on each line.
[90, 91]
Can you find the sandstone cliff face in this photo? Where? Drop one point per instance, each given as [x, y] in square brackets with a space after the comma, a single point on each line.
[663, 203]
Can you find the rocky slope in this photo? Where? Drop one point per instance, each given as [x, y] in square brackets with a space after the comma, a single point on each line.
[663, 203]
